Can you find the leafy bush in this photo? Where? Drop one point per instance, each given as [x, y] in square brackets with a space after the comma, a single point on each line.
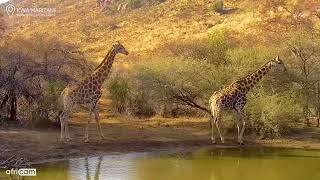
[270, 115]
[195, 49]
[169, 81]
[141, 104]
[212, 48]
[45, 112]
[218, 46]
[119, 91]
[135, 4]
[242, 61]
[217, 6]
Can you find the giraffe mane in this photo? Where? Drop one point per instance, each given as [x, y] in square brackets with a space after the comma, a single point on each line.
[244, 77]
[105, 58]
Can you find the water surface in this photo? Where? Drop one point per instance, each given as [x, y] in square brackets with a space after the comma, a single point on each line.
[203, 164]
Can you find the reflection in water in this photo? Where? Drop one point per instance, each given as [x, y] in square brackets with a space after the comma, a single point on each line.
[206, 164]
[92, 168]
[96, 175]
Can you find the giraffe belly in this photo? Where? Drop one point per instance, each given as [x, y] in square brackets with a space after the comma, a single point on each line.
[231, 101]
[227, 104]
[87, 98]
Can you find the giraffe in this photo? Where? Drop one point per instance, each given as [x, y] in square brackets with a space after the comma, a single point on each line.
[88, 92]
[233, 97]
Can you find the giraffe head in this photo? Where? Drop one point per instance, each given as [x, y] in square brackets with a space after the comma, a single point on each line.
[119, 48]
[278, 64]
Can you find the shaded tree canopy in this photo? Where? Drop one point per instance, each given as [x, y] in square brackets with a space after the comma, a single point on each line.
[26, 74]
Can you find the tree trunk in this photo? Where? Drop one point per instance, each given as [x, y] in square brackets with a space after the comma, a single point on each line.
[308, 122]
[13, 107]
[318, 104]
[306, 115]
[306, 90]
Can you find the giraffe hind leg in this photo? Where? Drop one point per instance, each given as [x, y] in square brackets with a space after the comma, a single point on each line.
[216, 117]
[67, 107]
[217, 121]
[213, 139]
[64, 126]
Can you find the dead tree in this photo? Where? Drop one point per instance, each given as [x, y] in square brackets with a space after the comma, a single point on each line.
[188, 98]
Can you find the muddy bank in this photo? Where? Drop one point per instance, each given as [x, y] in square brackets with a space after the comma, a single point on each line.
[128, 135]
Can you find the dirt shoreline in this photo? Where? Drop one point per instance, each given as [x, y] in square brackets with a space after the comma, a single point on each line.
[124, 136]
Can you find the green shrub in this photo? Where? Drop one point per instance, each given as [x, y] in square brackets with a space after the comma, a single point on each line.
[135, 4]
[45, 113]
[141, 104]
[271, 115]
[129, 97]
[217, 6]
[119, 92]
[218, 46]
[243, 61]
[195, 49]
[212, 48]
[165, 78]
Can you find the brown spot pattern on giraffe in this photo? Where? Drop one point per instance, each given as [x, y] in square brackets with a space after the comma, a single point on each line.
[235, 94]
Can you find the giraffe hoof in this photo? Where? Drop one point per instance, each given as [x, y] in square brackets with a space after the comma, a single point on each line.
[86, 140]
[241, 143]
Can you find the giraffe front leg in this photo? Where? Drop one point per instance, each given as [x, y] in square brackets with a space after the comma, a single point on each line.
[67, 135]
[243, 123]
[97, 118]
[62, 126]
[86, 135]
[242, 131]
[238, 129]
[213, 139]
[238, 125]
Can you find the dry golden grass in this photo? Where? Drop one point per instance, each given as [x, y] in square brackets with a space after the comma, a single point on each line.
[141, 30]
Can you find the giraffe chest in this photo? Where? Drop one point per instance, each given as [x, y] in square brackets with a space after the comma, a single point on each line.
[232, 101]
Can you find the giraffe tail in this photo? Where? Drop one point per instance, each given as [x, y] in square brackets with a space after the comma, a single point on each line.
[60, 101]
[213, 104]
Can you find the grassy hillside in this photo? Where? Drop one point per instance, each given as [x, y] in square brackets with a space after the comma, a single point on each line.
[86, 25]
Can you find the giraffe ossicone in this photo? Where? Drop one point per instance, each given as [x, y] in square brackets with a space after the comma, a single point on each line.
[233, 97]
[88, 92]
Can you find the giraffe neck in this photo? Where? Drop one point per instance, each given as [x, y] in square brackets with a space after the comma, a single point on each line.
[252, 79]
[103, 70]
